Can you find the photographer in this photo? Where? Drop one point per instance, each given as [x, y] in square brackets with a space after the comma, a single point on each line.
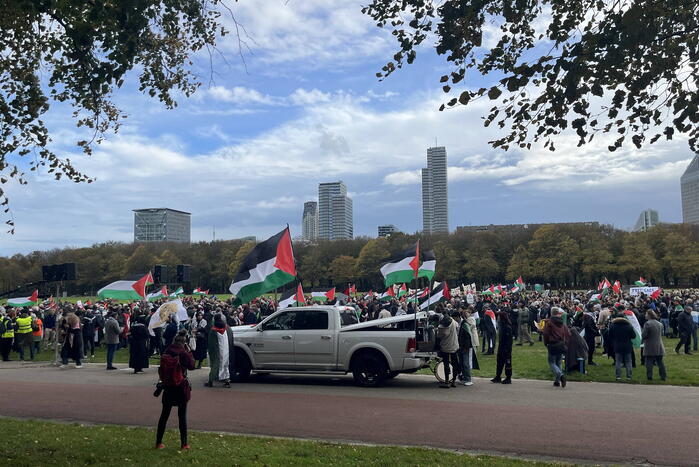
[175, 387]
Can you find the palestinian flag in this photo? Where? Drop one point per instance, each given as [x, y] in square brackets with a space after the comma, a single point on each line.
[595, 297]
[198, 291]
[268, 266]
[539, 287]
[369, 296]
[292, 298]
[656, 294]
[490, 314]
[32, 300]
[418, 294]
[323, 295]
[489, 291]
[616, 287]
[440, 292]
[352, 289]
[388, 294]
[641, 282]
[629, 315]
[127, 290]
[402, 268]
[402, 291]
[177, 293]
[519, 283]
[428, 265]
[604, 285]
[162, 293]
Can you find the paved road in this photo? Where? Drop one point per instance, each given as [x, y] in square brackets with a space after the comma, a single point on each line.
[587, 421]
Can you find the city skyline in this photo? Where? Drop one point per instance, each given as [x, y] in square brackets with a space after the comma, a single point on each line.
[335, 212]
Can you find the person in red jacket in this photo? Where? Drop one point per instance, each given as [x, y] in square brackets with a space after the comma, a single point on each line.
[176, 395]
[556, 336]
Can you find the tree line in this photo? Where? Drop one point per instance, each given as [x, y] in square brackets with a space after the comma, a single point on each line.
[564, 256]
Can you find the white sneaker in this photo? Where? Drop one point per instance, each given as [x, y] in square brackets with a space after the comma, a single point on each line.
[78, 366]
[61, 366]
[468, 383]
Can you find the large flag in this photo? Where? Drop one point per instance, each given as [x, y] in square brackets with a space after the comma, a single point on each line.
[162, 293]
[388, 294]
[631, 316]
[429, 263]
[177, 293]
[159, 318]
[490, 314]
[126, 290]
[31, 300]
[403, 267]
[199, 291]
[641, 282]
[292, 297]
[439, 292]
[268, 266]
[323, 295]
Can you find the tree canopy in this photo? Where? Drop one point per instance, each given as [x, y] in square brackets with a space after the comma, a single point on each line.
[626, 67]
[78, 53]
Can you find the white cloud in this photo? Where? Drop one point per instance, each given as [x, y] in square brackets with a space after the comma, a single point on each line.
[239, 95]
[303, 97]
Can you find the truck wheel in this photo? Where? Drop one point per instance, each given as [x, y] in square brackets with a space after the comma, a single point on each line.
[242, 366]
[369, 370]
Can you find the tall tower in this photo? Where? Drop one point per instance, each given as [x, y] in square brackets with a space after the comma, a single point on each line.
[335, 213]
[310, 221]
[689, 183]
[435, 209]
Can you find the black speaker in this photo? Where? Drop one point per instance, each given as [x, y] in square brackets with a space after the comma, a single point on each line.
[160, 274]
[46, 273]
[183, 272]
[69, 271]
[53, 272]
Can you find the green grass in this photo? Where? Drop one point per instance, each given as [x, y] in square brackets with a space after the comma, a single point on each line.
[531, 363]
[41, 443]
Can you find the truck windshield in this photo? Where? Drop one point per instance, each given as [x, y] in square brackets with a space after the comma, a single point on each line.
[348, 317]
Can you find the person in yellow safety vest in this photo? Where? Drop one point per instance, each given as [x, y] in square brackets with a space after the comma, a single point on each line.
[7, 326]
[23, 334]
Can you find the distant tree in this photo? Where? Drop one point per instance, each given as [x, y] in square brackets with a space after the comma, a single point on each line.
[638, 259]
[520, 264]
[343, 270]
[141, 260]
[240, 255]
[626, 67]
[479, 264]
[374, 255]
[554, 255]
[169, 259]
[681, 257]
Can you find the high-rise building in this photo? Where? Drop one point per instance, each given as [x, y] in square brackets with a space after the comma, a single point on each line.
[309, 226]
[646, 220]
[335, 219]
[689, 183]
[161, 225]
[386, 230]
[435, 209]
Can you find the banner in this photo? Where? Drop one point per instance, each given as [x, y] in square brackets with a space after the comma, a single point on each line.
[634, 291]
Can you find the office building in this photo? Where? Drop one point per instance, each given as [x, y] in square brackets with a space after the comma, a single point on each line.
[435, 209]
[161, 225]
[335, 217]
[689, 183]
[646, 220]
[386, 230]
[309, 224]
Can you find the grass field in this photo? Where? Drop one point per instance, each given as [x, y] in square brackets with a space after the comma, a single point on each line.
[41, 443]
[530, 363]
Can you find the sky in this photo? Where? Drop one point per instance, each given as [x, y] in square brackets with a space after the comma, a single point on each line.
[245, 152]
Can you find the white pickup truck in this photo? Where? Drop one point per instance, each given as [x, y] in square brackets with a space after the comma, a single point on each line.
[329, 340]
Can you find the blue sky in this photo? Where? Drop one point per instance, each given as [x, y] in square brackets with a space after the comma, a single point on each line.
[249, 148]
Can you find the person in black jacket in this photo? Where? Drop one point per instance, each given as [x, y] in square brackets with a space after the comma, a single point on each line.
[589, 326]
[685, 326]
[504, 359]
[488, 331]
[138, 345]
[621, 333]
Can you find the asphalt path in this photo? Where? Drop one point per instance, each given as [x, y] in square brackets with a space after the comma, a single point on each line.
[594, 422]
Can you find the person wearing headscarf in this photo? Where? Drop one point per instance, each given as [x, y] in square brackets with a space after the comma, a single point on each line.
[138, 345]
[72, 340]
[198, 327]
[504, 356]
[221, 352]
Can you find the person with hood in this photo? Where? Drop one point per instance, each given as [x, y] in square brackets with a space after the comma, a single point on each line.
[221, 352]
[448, 335]
[621, 335]
[685, 326]
[138, 345]
[556, 336]
[653, 348]
[468, 343]
[176, 396]
[504, 358]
